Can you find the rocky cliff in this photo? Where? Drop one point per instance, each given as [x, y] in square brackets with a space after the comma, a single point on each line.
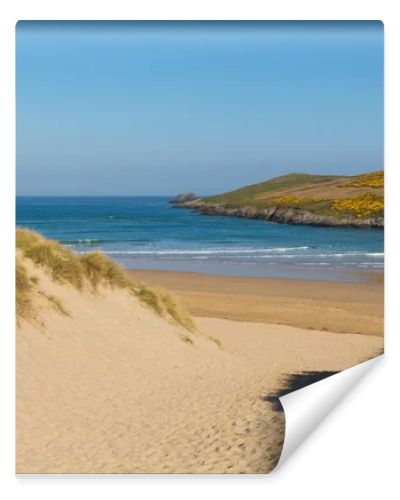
[319, 200]
[283, 215]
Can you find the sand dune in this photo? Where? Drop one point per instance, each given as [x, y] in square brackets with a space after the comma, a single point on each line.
[113, 388]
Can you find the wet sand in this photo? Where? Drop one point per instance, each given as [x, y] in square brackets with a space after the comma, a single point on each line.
[341, 307]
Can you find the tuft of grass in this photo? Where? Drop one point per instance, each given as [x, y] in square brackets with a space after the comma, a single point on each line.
[175, 310]
[25, 239]
[215, 340]
[150, 297]
[23, 289]
[58, 305]
[101, 270]
[94, 269]
[166, 305]
[64, 265]
[186, 339]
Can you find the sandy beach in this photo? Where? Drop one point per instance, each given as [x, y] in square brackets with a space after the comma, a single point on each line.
[341, 307]
[111, 387]
[199, 218]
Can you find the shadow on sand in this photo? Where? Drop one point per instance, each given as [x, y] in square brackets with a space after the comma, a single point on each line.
[295, 382]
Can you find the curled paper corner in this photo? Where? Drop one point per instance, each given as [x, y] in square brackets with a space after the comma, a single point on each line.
[306, 408]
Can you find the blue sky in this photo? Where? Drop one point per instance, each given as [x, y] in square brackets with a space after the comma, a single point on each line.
[160, 108]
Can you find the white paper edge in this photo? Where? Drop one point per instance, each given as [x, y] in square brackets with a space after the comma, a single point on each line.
[306, 408]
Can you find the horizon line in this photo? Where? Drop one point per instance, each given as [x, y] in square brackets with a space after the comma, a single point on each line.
[97, 195]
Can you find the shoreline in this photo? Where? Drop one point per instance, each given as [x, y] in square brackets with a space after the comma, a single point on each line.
[339, 307]
[280, 214]
[154, 398]
[292, 271]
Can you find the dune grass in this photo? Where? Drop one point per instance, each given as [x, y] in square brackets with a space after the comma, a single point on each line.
[99, 270]
[215, 340]
[58, 305]
[186, 339]
[23, 287]
[63, 265]
[166, 305]
[89, 270]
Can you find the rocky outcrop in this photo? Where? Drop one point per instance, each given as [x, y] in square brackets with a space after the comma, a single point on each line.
[183, 198]
[283, 215]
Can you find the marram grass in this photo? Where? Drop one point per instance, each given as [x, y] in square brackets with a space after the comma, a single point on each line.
[23, 288]
[82, 271]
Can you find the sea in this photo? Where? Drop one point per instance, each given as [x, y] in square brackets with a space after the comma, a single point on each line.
[149, 233]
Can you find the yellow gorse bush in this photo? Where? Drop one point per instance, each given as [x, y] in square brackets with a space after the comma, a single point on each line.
[360, 206]
[372, 180]
[294, 201]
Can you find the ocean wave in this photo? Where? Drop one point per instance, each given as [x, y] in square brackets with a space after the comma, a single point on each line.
[350, 254]
[94, 241]
[241, 254]
[84, 241]
[205, 251]
[319, 255]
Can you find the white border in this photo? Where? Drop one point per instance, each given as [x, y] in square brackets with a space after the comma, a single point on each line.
[354, 453]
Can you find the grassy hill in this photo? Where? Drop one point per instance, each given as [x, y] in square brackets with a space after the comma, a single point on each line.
[359, 196]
